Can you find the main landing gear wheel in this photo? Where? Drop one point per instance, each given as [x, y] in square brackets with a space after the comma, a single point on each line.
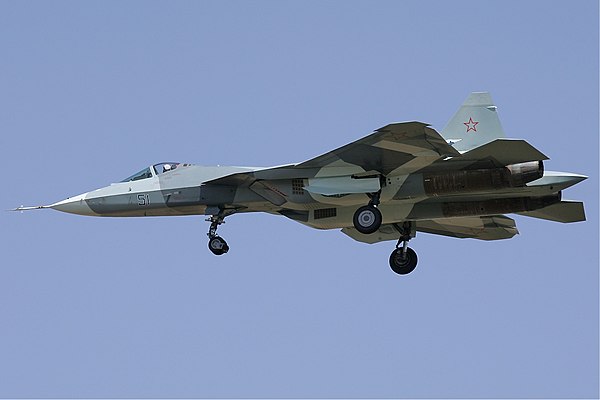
[403, 262]
[367, 219]
[218, 245]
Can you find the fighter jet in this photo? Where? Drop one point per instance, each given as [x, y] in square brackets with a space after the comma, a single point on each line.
[401, 179]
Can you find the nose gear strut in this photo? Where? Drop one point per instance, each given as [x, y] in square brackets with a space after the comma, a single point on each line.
[216, 244]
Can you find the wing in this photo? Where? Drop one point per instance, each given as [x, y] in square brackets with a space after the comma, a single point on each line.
[408, 146]
[387, 149]
[484, 228]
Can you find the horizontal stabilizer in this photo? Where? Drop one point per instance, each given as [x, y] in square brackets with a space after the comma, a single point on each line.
[558, 180]
[505, 152]
[565, 211]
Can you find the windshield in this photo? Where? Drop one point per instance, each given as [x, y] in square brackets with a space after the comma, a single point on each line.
[143, 174]
[161, 168]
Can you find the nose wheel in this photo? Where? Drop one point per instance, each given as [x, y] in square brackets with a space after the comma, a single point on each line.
[216, 244]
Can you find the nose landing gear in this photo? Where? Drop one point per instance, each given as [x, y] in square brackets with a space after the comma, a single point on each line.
[216, 244]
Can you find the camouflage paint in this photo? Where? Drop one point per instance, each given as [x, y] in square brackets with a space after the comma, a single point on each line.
[458, 184]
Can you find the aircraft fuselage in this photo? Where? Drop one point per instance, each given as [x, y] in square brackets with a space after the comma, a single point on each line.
[183, 191]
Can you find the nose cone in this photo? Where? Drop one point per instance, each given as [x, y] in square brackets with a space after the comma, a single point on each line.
[74, 205]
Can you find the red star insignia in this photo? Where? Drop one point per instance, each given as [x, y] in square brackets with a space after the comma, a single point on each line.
[471, 125]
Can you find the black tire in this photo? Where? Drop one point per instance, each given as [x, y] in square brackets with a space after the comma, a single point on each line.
[403, 265]
[367, 219]
[218, 246]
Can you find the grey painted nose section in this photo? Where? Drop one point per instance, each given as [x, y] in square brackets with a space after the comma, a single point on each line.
[74, 205]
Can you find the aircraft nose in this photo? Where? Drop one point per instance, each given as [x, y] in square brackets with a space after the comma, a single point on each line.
[73, 205]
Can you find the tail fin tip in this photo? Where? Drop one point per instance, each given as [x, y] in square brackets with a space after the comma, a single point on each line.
[479, 99]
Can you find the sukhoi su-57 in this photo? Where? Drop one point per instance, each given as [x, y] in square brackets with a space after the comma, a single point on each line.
[401, 179]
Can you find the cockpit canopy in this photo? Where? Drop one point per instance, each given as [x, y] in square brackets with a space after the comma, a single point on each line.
[161, 168]
[154, 170]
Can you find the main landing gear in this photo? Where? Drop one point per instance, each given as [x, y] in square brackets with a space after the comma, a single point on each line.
[216, 244]
[403, 260]
[367, 219]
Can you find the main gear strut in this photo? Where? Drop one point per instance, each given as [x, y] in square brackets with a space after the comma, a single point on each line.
[403, 260]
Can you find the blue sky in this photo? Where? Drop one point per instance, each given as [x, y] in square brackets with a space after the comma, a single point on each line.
[91, 92]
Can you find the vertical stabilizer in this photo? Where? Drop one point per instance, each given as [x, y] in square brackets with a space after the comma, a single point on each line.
[476, 123]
